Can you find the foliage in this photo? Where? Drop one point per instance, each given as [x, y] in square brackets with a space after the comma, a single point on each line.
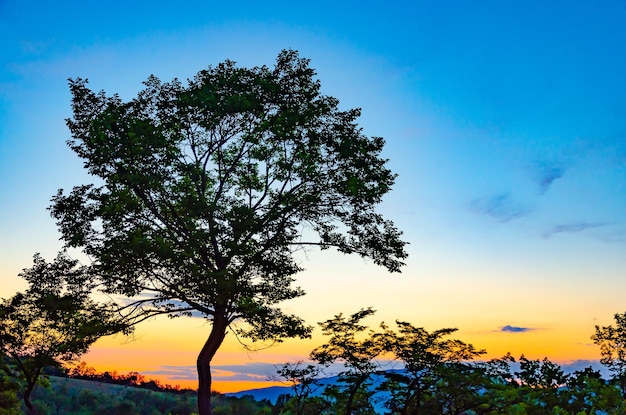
[353, 394]
[53, 322]
[590, 394]
[612, 342]
[209, 189]
[9, 401]
[135, 379]
[453, 381]
[433, 369]
[70, 396]
[437, 375]
[303, 380]
[540, 385]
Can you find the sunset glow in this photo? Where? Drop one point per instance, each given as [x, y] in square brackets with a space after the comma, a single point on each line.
[504, 122]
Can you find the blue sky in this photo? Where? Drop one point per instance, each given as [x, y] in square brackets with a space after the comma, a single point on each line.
[504, 120]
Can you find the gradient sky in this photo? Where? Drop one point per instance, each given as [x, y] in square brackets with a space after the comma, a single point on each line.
[505, 121]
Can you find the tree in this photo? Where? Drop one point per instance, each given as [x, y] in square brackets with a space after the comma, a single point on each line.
[304, 382]
[208, 191]
[541, 383]
[435, 370]
[541, 374]
[357, 353]
[53, 322]
[612, 342]
[590, 394]
[500, 390]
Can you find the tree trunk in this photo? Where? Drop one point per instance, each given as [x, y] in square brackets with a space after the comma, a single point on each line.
[203, 364]
[352, 393]
[30, 386]
[31, 382]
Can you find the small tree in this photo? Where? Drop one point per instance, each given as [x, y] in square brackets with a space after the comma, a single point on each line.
[53, 322]
[540, 374]
[304, 382]
[612, 342]
[435, 368]
[589, 393]
[357, 352]
[500, 388]
[540, 385]
[209, 189]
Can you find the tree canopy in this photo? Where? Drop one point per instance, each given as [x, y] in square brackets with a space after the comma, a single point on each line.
[612, 342]
[54, 322]
[207, 190]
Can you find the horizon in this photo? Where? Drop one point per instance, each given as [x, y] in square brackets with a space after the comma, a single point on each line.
[504, 122]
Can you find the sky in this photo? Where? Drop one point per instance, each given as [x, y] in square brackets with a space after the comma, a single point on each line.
[504, 121]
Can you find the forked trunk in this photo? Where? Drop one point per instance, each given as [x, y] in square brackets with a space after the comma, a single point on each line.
[203, 364]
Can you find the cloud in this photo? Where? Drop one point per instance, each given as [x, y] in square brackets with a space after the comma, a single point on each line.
[500, 207]
[257, 369]
[515, 329]
[252, 372]
[615, 238]
[548, 173]
[174, 372]
[264, 371]
[256, 372]
[571, 228]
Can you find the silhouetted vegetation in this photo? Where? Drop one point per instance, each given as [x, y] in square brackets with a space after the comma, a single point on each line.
[83, 391]
[402, 371]
[612, 342]
[205, 191]
[70, 396]
[436, 374]
[52, 323]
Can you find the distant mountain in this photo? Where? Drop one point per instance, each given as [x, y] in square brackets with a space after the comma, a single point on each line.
[272, 393]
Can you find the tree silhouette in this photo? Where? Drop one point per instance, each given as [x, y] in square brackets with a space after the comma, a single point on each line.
[303, 379]
[590, 394]
[207, 191]
[612, 342]
[53, 322]
[434, 368]
[357, 352]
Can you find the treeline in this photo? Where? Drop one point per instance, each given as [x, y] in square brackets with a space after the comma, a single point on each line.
[400, 370]
[438, 374]
[134, 379]
[82, 391]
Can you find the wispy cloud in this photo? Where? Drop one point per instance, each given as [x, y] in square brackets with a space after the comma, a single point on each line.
[618, 237]
[515, 329]
[253, 372]
[501, 207]
[258, 369]
[174, 372]
[547, 173]
[574, 227]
